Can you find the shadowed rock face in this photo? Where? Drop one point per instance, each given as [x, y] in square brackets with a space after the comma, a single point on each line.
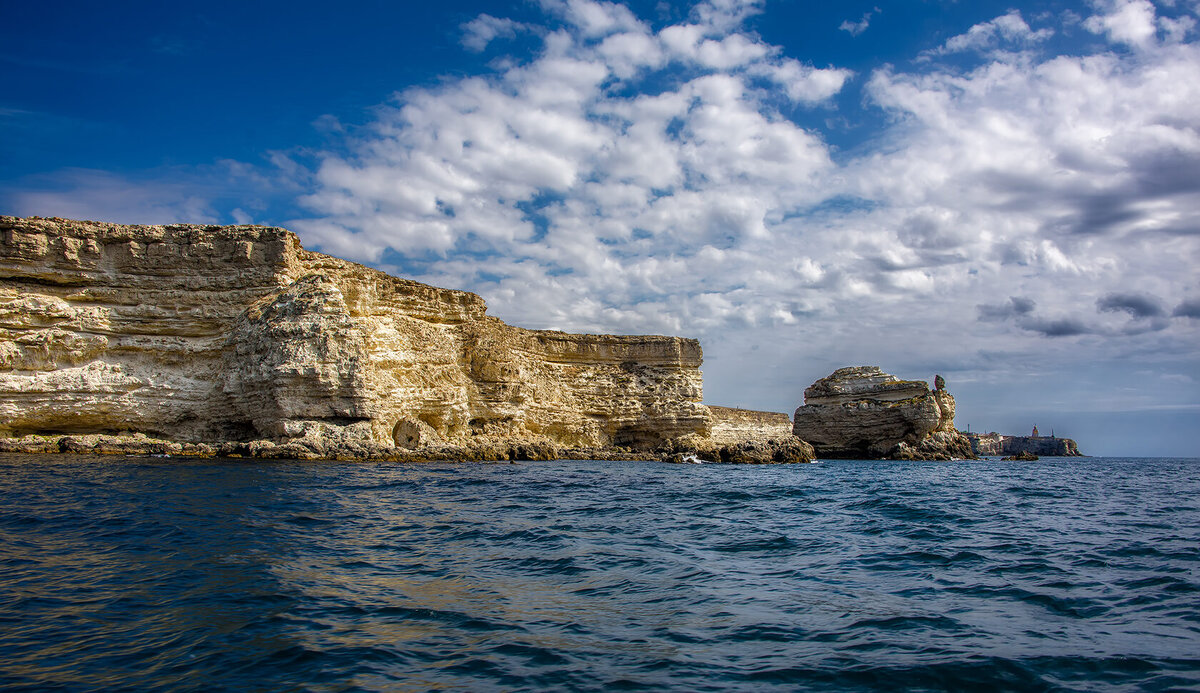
[862, 412]
[210, 333]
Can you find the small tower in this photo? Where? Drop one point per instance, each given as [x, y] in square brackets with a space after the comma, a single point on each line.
[1035, 433]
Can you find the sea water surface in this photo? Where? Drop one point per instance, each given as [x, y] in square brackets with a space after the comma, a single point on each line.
[178, 575]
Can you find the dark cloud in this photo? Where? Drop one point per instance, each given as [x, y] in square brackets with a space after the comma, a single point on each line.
[1137, 305]
[1020, 310]
[1102, 212]
[1155, 173]
[1152, 174]
[1015, 307]
[1167, 173]
[1188, 309]
[1062, 327]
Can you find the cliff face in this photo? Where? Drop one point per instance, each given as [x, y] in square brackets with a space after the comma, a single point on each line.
[862, 412]
[201, 333]
[732, 426]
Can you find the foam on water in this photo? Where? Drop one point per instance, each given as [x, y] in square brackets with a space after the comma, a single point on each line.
[211, 575]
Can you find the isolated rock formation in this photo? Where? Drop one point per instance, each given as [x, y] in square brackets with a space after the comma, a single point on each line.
[196, 334]
[863, 413]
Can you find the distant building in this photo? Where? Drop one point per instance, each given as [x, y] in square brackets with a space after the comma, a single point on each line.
[1035, 433]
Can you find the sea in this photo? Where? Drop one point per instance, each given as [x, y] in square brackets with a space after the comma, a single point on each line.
[151, 574]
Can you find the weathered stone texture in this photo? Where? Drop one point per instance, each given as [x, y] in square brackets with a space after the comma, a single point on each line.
[862, 412]
[208, 333]
[732, 426]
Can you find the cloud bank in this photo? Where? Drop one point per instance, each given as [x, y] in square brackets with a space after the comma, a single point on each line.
[631, 178]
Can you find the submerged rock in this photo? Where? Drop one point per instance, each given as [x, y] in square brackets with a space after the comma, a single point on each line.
[863, 412]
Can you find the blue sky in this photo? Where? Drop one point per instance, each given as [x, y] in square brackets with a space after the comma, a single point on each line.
[1004, 193]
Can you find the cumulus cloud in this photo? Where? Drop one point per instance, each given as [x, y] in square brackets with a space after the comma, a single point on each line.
[482, 30]
[633, 179]
[548, 161]
[1131, 22]
[1009, 29]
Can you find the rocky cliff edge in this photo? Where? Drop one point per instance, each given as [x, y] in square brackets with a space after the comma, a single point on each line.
[188, 334]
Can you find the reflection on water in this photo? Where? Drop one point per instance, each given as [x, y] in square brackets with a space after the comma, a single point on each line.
[190, 575]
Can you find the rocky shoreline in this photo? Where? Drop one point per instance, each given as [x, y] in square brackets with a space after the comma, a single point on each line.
[746, 452]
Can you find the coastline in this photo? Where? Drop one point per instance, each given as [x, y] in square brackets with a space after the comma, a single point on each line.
[749, 452]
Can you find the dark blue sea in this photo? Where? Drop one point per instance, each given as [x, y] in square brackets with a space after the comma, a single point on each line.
[177, 575]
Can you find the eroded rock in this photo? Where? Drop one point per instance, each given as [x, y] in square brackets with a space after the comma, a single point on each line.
[862, 412]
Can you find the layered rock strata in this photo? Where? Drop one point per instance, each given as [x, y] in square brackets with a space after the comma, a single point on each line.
[864, 413]
[195, 334]
[733, 426]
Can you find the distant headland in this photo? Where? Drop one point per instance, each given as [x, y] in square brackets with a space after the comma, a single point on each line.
[236, 341]
[995, 444]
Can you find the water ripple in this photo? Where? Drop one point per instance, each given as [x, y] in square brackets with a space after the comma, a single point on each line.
[224, 575]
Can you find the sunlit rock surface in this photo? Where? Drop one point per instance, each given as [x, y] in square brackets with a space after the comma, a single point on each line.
[198, 334]
[863, 412]
[732, 426]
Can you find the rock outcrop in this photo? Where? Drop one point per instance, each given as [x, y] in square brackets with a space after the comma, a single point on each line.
[784, 450]
[742, 436]
[195, 334]
[994, 444]
[863, 413]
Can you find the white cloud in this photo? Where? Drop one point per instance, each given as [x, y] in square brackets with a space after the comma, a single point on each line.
[482, 30]
[804, 83]
[595, 18]
[1007, 29]
[1176, 30]
[1125, 21]
[856, 28]
[1017, 171]
[725, 16]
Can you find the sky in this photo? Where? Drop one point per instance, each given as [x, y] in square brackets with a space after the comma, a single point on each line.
[1006, 194]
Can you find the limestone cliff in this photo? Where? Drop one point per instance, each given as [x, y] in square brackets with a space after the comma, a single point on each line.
[732, 426]
[225, 333]
[862, 412]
